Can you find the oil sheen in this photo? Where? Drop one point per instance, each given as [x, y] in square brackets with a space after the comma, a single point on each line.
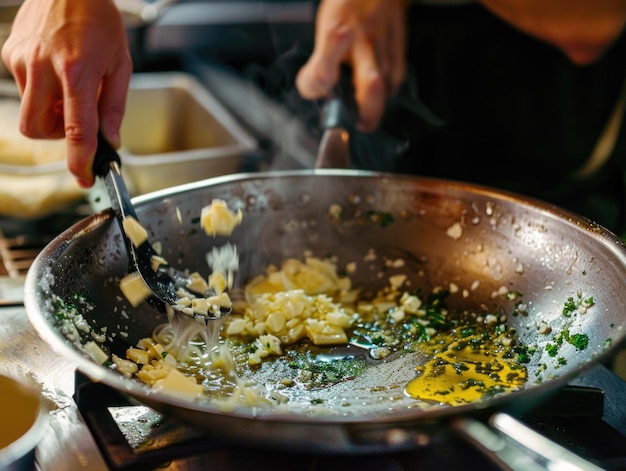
[468, 370]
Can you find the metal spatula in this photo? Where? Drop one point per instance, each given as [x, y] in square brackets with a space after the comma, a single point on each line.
[165, 281]
[334, 148]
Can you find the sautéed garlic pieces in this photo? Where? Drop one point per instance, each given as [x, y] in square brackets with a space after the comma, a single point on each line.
[134, 231]
[149, 361]
[216, 219]
[155, 366]
[287, 305]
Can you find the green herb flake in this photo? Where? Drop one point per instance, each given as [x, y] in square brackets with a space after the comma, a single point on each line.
[523, 354]
[579, 341]
[468, 331]
[552, 349]
[569, 307]
[382, 219]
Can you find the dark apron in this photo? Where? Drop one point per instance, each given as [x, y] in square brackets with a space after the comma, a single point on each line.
[488, 104]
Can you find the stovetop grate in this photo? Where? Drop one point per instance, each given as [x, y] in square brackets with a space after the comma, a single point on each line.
[17, 253]
[21, 240]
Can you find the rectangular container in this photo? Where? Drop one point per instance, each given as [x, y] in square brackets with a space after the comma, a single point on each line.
[174, 132]
[8, 10]
[34, 180]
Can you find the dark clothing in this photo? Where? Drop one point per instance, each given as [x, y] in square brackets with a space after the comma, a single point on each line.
[510, 112]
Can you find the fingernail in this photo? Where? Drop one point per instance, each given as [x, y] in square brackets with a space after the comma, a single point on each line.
[84, 183]
[115, 138]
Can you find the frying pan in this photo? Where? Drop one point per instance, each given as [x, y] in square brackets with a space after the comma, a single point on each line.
[546, 254]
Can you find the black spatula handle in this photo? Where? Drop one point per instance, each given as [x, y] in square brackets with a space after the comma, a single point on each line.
[105, 154]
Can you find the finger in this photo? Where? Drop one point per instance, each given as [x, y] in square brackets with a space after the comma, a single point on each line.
[318, 76]
[40, 115]
[112, 102]
[369, 85]
[381, 51]
[81, 126]
[396, 51]
[14, 65]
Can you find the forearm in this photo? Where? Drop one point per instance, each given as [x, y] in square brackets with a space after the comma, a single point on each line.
[582, 29]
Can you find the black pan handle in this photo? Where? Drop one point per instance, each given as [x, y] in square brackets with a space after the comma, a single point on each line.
[105, 154]
[340, 109]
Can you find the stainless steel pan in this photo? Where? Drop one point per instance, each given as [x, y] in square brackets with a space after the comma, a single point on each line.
[541, 251]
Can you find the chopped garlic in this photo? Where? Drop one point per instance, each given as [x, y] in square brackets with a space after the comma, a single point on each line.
[177, 384]
[455, 231]
[125, 367]
[218, 282]
[137, 355]
[94, 350]
[134, 231]
[157, 261]
[217, 219]
[397, 281]
[134, 288]
[197, 283]
[544, 328]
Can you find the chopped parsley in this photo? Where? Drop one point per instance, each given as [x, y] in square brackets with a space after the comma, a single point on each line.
[523, 354]
[569, 307]
[572, 305]
[552, 349]
[580, 341]
[316, 373]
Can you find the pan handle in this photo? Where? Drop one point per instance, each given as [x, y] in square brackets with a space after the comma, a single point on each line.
[514, 446]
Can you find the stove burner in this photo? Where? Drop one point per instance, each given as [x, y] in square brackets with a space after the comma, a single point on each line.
[21, 240]
[133, 437]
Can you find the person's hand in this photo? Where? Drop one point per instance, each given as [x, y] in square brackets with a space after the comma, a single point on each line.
[370, 37]
[71, 63]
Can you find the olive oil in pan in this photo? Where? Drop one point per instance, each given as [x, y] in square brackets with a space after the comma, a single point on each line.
[467, 371]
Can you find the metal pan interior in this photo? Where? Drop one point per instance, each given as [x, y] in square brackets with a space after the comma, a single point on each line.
[446, 232]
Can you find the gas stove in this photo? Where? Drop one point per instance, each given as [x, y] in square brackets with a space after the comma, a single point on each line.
[135, 437]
